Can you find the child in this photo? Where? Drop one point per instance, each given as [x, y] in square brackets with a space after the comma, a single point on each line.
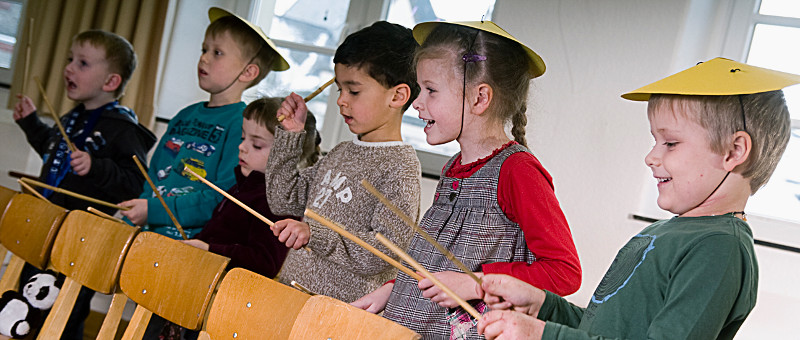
[376, 84]
[494, 208]
[105, 134]
[234, 232]
[720, 129]
[205, 136]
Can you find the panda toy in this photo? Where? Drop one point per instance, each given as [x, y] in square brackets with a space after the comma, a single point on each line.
[22, 312]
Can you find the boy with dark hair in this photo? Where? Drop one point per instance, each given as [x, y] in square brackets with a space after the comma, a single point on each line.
[105, 134]
[720, 129]
[205, 136]
[376, 84]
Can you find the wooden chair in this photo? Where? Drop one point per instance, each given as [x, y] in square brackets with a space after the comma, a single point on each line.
[89, 250]
[251, 306]
[324, 317]
[168, 278]
[5, 197]
[28, 229]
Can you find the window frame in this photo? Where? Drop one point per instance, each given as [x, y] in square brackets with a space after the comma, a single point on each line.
[7, 74]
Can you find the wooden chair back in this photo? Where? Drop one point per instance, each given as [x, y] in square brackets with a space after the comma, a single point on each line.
[28, 229]
[169, 278]
[250, 306]
[89, 250]
[324, 317]
[5, 197]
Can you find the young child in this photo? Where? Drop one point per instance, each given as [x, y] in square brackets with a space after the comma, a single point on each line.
[234, 232]
[495, 207]
[105, 134]
[720, 129]
[205, 136]
[376, 85]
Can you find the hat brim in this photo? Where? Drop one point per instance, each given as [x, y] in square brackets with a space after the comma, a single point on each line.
[536, 65]
[280, 64]
[717, 77]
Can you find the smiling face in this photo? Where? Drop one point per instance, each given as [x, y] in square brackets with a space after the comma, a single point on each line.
[86, 73]
[364, 104]
[255, 146]
[682, 161]
[220, 63]
[439, 102]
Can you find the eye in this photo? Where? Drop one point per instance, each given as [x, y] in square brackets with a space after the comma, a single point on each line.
[257, 147]
[217, 52]
[355, 93]
[69, 59]
[430, 90]
[203, 50]
[670, 144]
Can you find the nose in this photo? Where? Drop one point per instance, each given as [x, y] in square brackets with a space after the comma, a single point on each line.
[242, 148]
[340, 101]
[416, 104]
[652, 159]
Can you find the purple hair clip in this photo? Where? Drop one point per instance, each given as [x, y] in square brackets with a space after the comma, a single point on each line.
[472, 57]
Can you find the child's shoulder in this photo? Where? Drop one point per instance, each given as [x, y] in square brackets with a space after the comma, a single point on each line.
[692, 231]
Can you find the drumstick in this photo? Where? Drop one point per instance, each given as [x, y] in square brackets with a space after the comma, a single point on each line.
[158, 195]
[103, 215]
[300, 287]
[360, 242]
[55, 115]
[27, 59]
[73, 194]
[228, 196]
[418, 267]
[312, 95]
[31, 189]
[419, 230]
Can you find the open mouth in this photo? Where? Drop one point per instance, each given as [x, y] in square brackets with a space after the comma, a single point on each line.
[428, 122]
[663, 179]
[71, 85]
[201, 72]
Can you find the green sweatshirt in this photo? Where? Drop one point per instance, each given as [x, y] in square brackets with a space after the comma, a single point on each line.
[205, 140]
[683, 278]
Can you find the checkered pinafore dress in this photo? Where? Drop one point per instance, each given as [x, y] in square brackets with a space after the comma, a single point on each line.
[466, 219]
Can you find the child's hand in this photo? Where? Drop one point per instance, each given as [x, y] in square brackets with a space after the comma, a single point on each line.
[294, 110]
[196, 243]
[504, 324]
[81, 162]
[24, 107]
[461, 284]
[138, 212]
[506, 292]
[376, 301]
[294, 234]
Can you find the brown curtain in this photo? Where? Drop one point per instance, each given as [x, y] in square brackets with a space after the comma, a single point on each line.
[55, 22]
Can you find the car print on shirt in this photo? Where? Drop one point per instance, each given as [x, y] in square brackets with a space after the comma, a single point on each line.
[195, 165]
[203, 148]
[173, 145]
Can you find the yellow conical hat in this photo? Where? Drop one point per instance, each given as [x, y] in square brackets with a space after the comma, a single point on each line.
[280, 64]
[717, 77]
[536, 65]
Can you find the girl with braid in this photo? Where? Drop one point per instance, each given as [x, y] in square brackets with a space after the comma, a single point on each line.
[495, 207]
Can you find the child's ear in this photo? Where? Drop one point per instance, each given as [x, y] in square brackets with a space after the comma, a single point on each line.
[250, 73]
[113, 81]
[400, 95]
[739, 150]
[484, 95]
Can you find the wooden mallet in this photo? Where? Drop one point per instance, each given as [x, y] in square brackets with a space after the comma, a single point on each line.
[161, 199]
[55, 115]
[312, 95]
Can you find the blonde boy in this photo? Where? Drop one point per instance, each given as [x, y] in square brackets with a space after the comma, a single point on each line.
[720, 129]
[205, 136]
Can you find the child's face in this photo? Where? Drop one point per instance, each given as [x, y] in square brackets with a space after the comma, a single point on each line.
[682, 161]
[220, 63]
[439, 101]
[255, 146]
[363, 103]
[85, 75]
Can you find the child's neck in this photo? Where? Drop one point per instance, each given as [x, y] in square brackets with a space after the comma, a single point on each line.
[389, 132]
[227, 97]
[731, 196]
[479, 144]
[98, 101]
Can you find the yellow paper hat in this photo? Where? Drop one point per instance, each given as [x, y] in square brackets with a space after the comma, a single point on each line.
[280, 64]
[717, 77]
[536, 65]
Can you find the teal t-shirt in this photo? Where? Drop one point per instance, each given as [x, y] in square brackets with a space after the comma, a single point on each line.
[682, 278]
[205, 139]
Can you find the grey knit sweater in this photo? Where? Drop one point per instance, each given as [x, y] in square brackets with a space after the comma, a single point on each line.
[336, 266]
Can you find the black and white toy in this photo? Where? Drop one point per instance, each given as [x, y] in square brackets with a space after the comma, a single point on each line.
[22, 312]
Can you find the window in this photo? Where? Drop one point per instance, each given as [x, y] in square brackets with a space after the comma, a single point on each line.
[307, 33]
[10, 13]
[775, 27]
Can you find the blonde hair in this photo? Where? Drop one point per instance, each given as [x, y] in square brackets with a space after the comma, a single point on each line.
[767, 121]
[263, 112]
[120, 55]
[248, 41]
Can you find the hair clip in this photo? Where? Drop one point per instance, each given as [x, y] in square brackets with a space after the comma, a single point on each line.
[471, 58]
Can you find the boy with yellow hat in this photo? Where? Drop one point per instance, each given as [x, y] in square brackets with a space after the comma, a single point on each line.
[205, 136]
[720, 129]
